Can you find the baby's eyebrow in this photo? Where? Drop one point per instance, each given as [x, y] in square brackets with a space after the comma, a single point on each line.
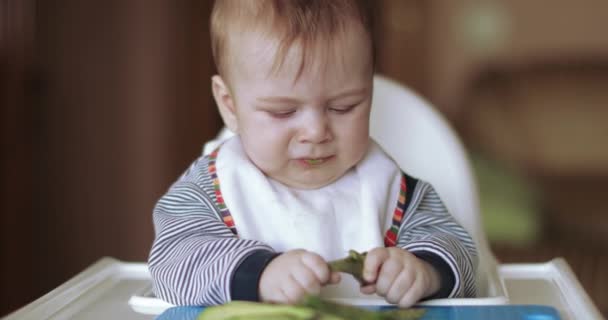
[291, 100]
[351, 92]
[279, 99]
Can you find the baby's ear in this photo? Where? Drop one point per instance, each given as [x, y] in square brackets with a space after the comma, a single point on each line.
[225, 103]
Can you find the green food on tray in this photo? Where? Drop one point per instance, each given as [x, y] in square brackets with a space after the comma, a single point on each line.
[237, 310]
[312, 308]
[353, 264]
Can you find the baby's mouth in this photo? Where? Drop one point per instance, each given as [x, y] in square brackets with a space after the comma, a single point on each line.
[316, 161]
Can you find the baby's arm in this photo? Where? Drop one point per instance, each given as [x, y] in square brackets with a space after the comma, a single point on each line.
[195, 258]
[431, 233]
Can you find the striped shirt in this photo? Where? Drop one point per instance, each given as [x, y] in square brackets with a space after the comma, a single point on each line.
[195, 255]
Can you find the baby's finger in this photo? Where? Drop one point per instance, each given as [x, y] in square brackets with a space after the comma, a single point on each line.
[388, 274]
[368, 289]
[373, 261]
[292, 290]
[335, 278]
[412, 295]
[317, 265]
[277, 296]
[399, 287]
[307, 280]
[282, 297]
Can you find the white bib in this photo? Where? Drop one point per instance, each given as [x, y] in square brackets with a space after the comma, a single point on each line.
[351, 213]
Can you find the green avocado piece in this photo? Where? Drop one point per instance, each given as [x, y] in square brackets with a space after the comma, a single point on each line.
[353, 264]
[237, 310]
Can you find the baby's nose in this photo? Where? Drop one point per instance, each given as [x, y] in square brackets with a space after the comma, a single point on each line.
[315, 131]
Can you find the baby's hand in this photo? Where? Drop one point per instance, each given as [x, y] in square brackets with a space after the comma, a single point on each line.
[398, 276]
[293, 275]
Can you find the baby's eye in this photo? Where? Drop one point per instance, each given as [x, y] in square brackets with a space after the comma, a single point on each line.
[281, 114]
[342, 110]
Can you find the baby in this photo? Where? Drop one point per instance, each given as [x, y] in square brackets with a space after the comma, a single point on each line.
[301, 182]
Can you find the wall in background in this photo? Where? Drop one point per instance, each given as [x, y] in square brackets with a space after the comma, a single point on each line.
[17, 136]
[468, 36]
[106, 104]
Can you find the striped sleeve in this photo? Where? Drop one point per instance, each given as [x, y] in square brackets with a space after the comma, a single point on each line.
[194, 255]
[428, 227]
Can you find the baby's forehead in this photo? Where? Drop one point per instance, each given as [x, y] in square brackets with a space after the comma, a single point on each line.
[253, 47]
[267, 54]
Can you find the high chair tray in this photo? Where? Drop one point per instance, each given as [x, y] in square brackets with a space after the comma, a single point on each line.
[111, 289]
[504, 312]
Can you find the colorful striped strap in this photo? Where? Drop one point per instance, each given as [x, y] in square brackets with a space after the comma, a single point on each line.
[226, 216]
[390, 239]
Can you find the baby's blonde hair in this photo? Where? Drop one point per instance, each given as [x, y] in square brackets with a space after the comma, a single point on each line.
[311, 22]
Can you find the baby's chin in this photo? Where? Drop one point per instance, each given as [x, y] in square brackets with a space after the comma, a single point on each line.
[308, 182]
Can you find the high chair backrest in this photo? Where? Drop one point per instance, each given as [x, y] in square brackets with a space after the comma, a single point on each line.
[418, 138]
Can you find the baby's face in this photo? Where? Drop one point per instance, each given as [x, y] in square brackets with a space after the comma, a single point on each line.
[304, 133]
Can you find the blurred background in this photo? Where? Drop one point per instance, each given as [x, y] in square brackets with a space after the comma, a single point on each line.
[105, 103]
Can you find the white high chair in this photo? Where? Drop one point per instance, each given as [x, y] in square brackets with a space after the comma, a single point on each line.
[424, 146]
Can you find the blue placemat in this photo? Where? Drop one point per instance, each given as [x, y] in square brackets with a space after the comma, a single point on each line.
[180, 313]
[503, 312]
